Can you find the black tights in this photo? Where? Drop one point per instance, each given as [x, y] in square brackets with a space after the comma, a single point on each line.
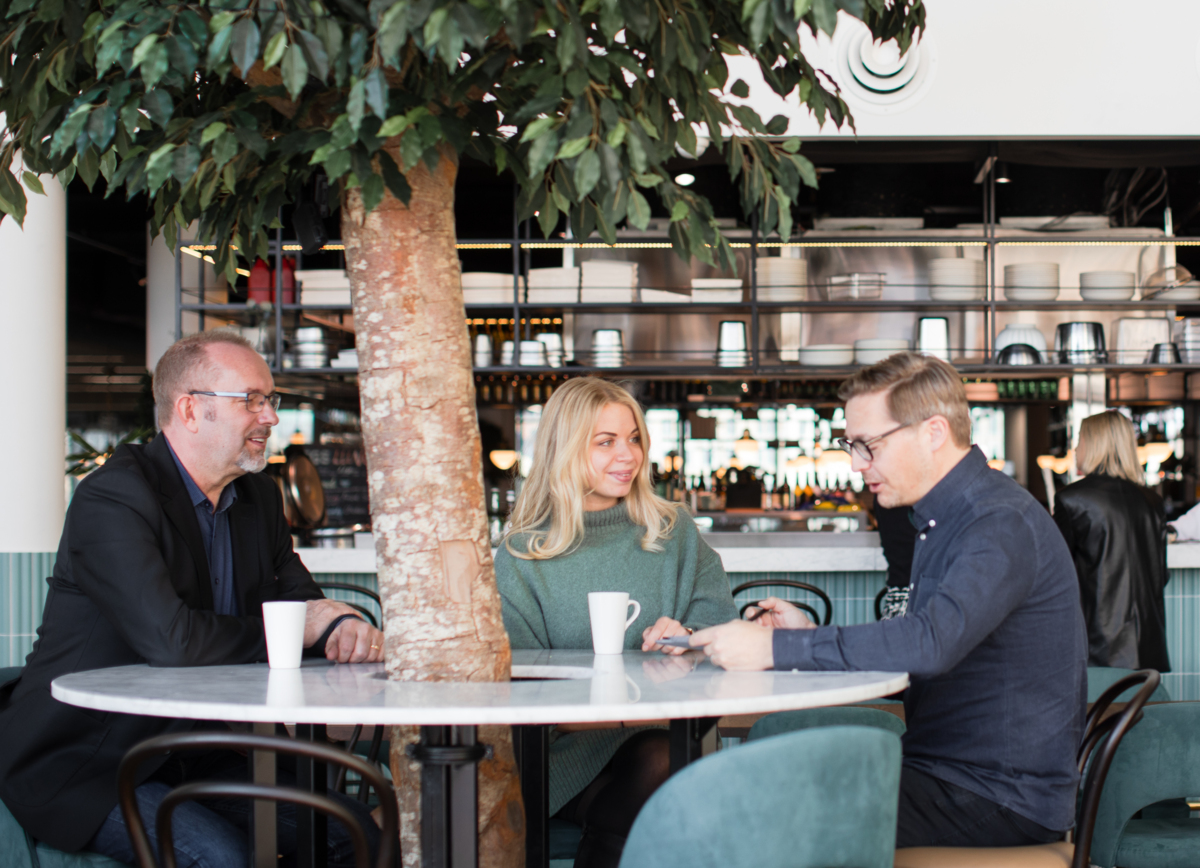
[608, 805]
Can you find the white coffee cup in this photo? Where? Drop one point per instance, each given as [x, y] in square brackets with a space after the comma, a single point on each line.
[608, 610]
[283, 622]
[610, 684]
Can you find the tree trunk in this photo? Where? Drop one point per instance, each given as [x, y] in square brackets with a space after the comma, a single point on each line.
[432, 548]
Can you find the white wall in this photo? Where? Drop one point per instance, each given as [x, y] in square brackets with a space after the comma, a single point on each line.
[33, 357]
[1024, 68]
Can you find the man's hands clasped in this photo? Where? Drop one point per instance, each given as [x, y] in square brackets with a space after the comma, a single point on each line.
[354, 640]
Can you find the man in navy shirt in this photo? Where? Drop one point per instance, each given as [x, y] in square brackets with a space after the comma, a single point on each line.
[993, 637]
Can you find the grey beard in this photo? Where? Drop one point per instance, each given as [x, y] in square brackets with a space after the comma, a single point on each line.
[251, 463]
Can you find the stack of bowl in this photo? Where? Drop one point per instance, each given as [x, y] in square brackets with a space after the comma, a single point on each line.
[870, 351]
[781, 278]
[1022, 333]
[1189, 341]
[860, 286]
[957, 279]
[827, 354]
[1031, 281]
[1107, 285]
[308, 344]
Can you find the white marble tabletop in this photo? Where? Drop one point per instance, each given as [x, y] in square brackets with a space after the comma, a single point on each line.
[568, 687]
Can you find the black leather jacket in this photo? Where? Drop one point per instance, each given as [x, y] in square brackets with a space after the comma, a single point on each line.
[1116, 532]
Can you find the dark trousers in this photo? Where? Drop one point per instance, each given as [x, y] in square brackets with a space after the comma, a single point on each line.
[934, 813]
[213, 833]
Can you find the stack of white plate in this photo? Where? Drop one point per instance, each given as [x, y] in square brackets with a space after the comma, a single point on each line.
[781, 278]
[487, 287]
[957, 279]
[1107, 285]
[870, 351]
[324, 286]
[1189, 342]
[827, 354]
[1031, 281]
[553, 285]
[716, 289]
[607, 282]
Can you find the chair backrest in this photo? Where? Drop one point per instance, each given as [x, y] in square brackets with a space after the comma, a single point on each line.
[1100, 678]
[139, 753]
[1107, 738]
[809, 718]
[1158, 760]
[355, 589]
[789, 583]
[821, 798]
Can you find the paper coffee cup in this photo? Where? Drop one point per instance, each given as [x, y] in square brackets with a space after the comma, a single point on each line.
[283, 623]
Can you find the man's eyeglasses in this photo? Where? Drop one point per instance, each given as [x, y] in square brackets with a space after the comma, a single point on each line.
[255, 401]
[862, 448]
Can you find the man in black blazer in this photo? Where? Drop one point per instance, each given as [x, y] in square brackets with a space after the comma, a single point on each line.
[167, 554]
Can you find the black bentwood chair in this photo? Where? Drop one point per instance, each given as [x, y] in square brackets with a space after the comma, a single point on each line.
[788, 583]
[127, 782]
[1102, 736]
[355, 589]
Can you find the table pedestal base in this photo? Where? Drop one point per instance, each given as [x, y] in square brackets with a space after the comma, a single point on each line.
[449, 757]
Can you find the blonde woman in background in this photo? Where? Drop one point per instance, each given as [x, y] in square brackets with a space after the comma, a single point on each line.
[1115, 528]
[587, 519]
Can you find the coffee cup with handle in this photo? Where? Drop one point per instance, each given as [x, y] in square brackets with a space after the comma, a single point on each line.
[608, 611]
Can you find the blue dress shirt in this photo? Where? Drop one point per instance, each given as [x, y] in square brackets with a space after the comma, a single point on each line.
[993, 641]
[218, 541]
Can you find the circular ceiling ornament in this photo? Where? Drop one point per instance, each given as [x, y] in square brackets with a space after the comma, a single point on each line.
[874, 76]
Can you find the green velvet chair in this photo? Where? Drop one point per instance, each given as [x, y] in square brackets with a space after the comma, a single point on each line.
[1100, 678]
[820, 798]
[1158, 760]
[810, 718]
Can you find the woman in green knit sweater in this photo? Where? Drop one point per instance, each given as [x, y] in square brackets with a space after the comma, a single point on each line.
[588, 520]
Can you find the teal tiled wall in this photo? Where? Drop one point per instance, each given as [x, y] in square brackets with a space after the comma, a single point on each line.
[23, 595]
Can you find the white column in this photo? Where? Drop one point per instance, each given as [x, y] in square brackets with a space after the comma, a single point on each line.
[33, 362]
[160, 298]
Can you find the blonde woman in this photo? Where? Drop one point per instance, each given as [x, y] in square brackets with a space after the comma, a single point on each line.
[588, 520]
[1116, 530]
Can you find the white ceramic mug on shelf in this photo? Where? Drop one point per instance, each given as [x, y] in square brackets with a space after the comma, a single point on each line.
[283, 622]
[608, 611]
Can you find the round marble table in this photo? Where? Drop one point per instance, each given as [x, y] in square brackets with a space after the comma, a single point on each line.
[551, 687]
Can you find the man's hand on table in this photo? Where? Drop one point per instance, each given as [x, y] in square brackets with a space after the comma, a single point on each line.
[354, 640]
[780, 613]
[747, 645]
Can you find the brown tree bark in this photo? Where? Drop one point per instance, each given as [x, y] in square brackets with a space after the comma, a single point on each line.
[432, 548]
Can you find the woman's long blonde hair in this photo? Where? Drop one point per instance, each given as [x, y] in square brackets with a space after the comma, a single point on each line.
[1109, 446]
[549, 510]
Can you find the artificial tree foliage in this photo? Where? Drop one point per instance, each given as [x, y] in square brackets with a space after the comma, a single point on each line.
[221, 112]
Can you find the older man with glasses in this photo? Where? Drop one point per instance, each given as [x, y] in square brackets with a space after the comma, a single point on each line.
[167, 555]
[992, 638]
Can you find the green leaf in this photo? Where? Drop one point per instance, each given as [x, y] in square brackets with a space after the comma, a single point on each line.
[791, 146]
[541, 153]
[187, 159]
[587, 173]
[740, 89]
[356, 104]
[88, 165]
[225, 148]
[244, 49]
[211, 132]
[108, 164]
[777, 125]
[158, 167]
[538, 127]
[275, 48]
[12, 197]
[678, 211]
[393, 126]
[295, 70]
[376, 91]
[142, 50]
[638, 210]
[221, 20]
[824, 13]
[572, 148]
[33, 183]
[64, 137]
[158, 105]
[800, 8]
[808, 174]
[372, 192]
[547, 217]
[648, 179]
[155, 65]
[396, 182]
[314, 51]
[102, 125]
[218, 47]
[92, 25]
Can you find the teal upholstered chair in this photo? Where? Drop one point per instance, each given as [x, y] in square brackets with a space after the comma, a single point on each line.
[1100, 678]
[810, 718]
[821, 798]
[1159, 759]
